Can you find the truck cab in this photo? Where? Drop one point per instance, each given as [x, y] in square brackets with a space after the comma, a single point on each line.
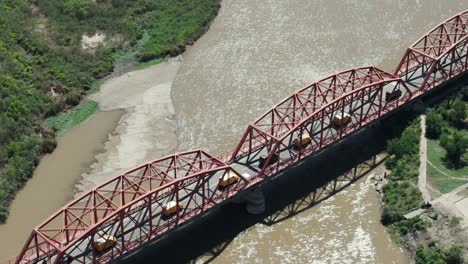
[341, 120]
[171, 208]
[305, 140]
[104, 243]
[228, 179]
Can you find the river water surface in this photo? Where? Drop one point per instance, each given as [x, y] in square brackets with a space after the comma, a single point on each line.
[255, 53]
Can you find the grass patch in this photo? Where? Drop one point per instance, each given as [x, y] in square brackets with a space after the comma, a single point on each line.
[440, 181]
[455, 221]
[435, 153]
[144, 65]
[73, 117]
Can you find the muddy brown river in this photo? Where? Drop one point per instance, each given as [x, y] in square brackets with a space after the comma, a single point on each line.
[52, 184]
[255, 54]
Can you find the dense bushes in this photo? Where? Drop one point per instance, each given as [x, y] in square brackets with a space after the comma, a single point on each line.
[401, 193]
[402, 196]
[437, 253]
[170, 26]
[44, 69]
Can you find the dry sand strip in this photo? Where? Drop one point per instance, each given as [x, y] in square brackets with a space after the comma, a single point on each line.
[148, 128]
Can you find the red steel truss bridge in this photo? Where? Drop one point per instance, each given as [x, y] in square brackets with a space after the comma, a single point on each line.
[130, 206]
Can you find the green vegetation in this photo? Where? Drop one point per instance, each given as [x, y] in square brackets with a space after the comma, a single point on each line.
[447, 150]
[45, 68]
[442, 182]
[434, 124]
[455, 145]
[402, 196]
[144, 65]
[71, 118]
[401, 192]
[455, 221]
[436, 154]
[403, 227]
[437, 253]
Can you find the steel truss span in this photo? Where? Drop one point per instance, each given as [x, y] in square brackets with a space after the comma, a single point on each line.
[438, 56]
[129, 207]
[148, 201]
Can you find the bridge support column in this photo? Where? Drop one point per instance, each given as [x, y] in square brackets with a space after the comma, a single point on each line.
[419, 107]
[255, 201]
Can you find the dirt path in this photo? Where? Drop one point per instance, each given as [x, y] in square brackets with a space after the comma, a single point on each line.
[422, 183]
[455, 202]
[439, 170]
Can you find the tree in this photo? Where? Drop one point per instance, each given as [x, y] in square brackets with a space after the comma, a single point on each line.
[455, 146]
[407, 144]
[457, 114]
[389, 216]
[434, 125]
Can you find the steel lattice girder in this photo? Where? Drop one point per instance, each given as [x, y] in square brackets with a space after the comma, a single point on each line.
[298, 107]
[439, 55]
[363, 105]
[167, 177]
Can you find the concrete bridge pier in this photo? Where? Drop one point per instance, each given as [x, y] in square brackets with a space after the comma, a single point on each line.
[419, 107]
[255, 201]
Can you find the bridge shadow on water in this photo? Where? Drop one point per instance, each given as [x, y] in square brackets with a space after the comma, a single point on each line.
[296, 190]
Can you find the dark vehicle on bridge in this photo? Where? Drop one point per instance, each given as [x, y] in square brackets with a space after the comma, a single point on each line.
[392, 96]
[264, 158]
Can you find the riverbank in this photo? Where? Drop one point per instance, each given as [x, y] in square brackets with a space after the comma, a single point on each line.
[129, 140]
[118, 136]
[53, 181]
[54, 51]
[438, 234]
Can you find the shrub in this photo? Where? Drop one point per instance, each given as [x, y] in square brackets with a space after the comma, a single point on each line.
[454, 255]
[73, 98]
[389, 216]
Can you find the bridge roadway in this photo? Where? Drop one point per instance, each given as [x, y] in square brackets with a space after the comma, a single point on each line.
[129, 206]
